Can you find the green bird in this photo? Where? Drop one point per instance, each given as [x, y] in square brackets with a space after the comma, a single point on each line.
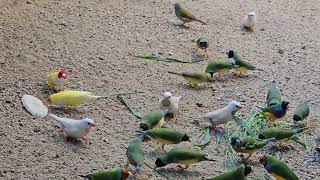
[302, 111]
[203, 43]
[115, 174]
[135, 153]
[185, 15]
[239, 173]
[166, 136]
[181, 156]
[218, 68]
[278, 169]
[154, 119]
[193, 77]
[278, 133]
[273, 96]
[275, 111]
[241, 65]
[247, 144]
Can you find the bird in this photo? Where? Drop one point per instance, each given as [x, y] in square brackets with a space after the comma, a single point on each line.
[278, 133]
[278, 169]
[115, 174]
[170, 103]
[217, 68]
[249, 21]
[273, 96]
[301, 112]
[73, 98]
[75, 128]
[239, 173]
[240, 65]
[248, 145]
[57, 79]
[135, 154]
[167, 136]
[222, 116]
[276, 111]
[181, 157]
[154, 119]
[185, 15]
[194, 78]
[203, 43]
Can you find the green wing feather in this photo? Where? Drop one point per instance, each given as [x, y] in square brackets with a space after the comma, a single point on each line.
[241, 63]
[273, 96]
[215, 66]
[135, 152]
[152, 118]
[235, 174]
[166, 133]
[187, 14]
[178, 154]
[114, 174]
[280, 168]
[302, 111]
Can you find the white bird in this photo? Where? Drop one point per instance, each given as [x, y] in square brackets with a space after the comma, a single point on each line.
[169, 102]
[222, 116]
[75, 128]
[249, 21]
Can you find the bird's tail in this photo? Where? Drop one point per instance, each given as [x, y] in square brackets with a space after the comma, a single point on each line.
[176, 73]
[116, 94]
[54, 116]
[204, 23]
[295, 131]
[208, 159]
[85, 176]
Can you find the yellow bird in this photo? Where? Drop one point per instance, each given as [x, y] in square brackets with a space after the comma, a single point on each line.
[57, 79]
[72, 98]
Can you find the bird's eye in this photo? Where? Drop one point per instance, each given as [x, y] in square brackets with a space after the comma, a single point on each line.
[237, 106]
[88, 123]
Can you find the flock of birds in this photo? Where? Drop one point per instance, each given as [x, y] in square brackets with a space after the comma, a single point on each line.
[179, 159]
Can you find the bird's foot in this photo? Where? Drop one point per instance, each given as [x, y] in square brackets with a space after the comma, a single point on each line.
[85, 139]
[218, 129]
[216, 76]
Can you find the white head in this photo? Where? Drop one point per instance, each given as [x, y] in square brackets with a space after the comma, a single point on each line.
[251, 14]
[87, 123]
[234, 106]
[167, 95]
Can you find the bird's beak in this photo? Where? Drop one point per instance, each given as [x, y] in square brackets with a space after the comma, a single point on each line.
[238, 141]
[93, 126]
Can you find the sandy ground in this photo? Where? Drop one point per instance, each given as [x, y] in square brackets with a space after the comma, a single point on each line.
[95, 40]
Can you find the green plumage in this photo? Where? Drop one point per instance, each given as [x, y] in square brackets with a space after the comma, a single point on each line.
[273, 96]
[242, 63]
[302, 111]
[135, 153]
[217, 66]
[114, 174]
[166, 134]
[235, 174]
[151, 119]
[247, 144]
[182, 156]
[197, 76]
[275, 166]
[278, 133]
[202, 43]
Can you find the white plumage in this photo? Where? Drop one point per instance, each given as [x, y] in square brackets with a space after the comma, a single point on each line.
[169, 102]
[223, 115]
[249, 21]
[75, 128]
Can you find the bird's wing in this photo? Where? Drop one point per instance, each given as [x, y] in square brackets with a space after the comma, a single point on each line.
[187, 14]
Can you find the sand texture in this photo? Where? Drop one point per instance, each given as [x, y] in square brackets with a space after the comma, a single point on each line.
[95, 40]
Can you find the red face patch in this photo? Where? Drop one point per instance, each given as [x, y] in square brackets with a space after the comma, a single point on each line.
[62, 74]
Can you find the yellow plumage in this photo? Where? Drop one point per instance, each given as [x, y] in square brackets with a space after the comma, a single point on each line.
[163, 141]
[71, 98]
[277, 177]
[160, 123]
[241, 69]
[51, 77]
[270, 116]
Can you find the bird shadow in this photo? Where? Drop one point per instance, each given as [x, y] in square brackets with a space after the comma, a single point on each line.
[182, 26]
[67, 142]
[201, 87]
[60, 110]
[173, 174]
